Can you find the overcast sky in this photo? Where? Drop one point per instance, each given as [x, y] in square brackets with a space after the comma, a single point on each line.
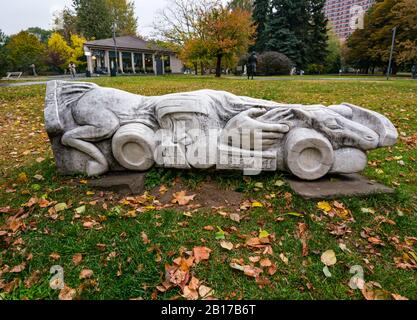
[17, 15]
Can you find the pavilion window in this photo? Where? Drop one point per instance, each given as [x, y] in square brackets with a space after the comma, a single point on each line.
[99, 61]
[138, 63]
[114, 61]
[149, 63]
[167, 63]
[127, 62]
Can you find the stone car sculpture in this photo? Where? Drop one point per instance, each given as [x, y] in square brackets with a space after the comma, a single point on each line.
[95, 130]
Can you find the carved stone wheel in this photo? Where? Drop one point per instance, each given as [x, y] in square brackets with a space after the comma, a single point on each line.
[309, 155]
[133, 147]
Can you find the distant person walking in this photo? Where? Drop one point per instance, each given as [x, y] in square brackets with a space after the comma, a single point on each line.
[251, 65]
[414, 71]
[34, 69]
[72, 69]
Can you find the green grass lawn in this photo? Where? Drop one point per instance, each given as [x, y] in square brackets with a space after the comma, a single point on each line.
[127, 243]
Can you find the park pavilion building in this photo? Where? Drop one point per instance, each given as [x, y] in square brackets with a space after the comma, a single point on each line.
[132, 55]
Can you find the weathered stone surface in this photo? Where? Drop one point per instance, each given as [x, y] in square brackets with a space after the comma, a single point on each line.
[336, 186]
[125, 183]
[96, 130]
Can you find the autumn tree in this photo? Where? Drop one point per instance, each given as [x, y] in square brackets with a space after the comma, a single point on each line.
[24, 49]
[369, 48]
[42, 34]
[228, 33]
[123, 14]
[405, 12]
[58, 52]
[333, 59]
[77, 51]
[179, 21]
[241, 4]
[4, 57]
[94, 18]
[65, 22]
[195, 53]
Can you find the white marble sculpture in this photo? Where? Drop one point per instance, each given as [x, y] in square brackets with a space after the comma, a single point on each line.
[94, 130]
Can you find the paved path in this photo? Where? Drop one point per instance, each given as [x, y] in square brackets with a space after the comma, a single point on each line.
[21, 84]
[34, 83]
[307, 78]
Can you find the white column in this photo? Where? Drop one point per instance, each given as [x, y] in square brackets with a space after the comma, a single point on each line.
[143, 63]
[133, 63]
[163, 65]
[154, 63]
[90, 63]
[107, 60]
[121, 61]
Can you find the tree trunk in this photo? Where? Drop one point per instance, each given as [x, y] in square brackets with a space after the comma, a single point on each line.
[196, 69]
[202, 68]
[219, 66]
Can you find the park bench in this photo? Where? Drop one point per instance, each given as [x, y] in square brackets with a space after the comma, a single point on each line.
[13, 76]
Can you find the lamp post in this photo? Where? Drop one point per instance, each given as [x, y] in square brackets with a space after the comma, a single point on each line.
[115, 49]
[394, 32]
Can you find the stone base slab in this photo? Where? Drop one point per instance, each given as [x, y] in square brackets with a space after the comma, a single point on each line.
[336, 186]
[124, 183]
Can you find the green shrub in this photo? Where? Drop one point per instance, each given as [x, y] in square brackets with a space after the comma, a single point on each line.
[273, 63]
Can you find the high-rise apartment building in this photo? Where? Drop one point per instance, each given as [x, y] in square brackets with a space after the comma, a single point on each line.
[344, 13]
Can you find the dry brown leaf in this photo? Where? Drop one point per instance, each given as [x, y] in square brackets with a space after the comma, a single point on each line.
[373, 291]
[398, 297]
[262, 282]
[88, 224]
[54, 256]
[283, 258]
[194, 283]
[5, 210]
[329, 258]
[43, 203]
[302, 234]
[19, 268]
[226, 245]
[205, 291]
[67, 293]
[86, 274]
[272, 269]
[181, 198]
[15, 225]
[101, 246]
[144, 237]
[201, 253]
[235, 217]
[253, 242]
[10, 286]
[77, 258]
[163, 189]
[190, 294]
[252, 271]
[33, 278]
[375, 240]
[265, 263]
